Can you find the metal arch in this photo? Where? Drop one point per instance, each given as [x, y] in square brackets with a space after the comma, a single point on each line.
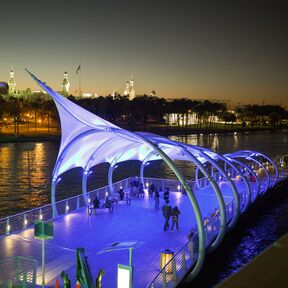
[88, 166]
[230, 182]
[250, 170]
[271, 162]
[113, 162]
[219, 196]
[193, 200]
[57, 165]
[248, 186]
[142, 167]
[199, 165]
[263, 167]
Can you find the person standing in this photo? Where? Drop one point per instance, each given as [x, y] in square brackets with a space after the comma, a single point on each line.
[157, 198]
[166, 209]
[166, 195]
[175, 215]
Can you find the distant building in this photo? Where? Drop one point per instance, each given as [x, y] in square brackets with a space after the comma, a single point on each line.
[129, 90]
[4, 87]
[12, 83]
[65, 85]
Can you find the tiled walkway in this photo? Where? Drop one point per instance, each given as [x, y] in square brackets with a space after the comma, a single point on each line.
[138, 222]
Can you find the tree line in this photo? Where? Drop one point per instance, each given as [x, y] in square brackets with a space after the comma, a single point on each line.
[142, 111]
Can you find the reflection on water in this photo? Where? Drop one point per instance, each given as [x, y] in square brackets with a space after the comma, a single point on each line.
[26, 168]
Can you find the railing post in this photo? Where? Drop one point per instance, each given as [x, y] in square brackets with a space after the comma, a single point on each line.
[25, 221]
[191, 248]
[174, 270]
[8, 226]
[66, 207]
[183, 259]
[164, 278]
[40, 214]
[77, 203]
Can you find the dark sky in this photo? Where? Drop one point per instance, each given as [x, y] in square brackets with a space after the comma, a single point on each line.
[214, 49]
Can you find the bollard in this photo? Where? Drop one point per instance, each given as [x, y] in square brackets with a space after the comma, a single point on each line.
[77, 204]
[25, 222]
[8, 226]
[57, 283]
[77, 284]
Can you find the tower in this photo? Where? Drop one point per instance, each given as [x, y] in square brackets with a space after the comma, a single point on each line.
[12, 82]
[65, 84]
[129, 90]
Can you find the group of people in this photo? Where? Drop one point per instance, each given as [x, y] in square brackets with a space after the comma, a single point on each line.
[108, 203]
[136, 188]
[173, 213]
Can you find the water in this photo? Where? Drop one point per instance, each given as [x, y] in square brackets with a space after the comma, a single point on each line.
[26, 168]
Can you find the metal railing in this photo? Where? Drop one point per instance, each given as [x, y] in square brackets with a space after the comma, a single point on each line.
[24, 220]
[183, 260]
[18, 271]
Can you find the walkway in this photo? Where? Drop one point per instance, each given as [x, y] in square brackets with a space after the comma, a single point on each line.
[138, 222]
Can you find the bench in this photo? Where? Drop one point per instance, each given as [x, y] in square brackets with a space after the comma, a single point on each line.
[92, 210]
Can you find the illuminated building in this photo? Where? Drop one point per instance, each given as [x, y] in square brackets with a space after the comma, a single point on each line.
[12, 82]
[65, 85]
[129, 90]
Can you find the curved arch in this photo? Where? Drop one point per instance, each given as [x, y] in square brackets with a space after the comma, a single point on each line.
[251, 171]
[57, 165]
[193, 200]
[262, 166]
[144, 162]
[230, 182]
[248, 186]
[88, 166]
[269, 160]
[112, 164]
[219, 196]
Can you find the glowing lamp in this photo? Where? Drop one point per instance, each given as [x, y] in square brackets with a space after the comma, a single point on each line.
[165, 256]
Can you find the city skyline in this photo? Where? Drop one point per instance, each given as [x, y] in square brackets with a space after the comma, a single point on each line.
[225, 50]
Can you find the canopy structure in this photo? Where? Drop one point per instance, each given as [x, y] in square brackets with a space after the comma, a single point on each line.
[88, 140]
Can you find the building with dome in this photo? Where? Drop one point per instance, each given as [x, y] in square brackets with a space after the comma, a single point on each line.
[65, 85]
[11, 83]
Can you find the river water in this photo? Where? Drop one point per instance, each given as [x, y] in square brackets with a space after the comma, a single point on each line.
[26, 168]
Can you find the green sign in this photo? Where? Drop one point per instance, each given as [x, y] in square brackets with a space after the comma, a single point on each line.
[43, 230]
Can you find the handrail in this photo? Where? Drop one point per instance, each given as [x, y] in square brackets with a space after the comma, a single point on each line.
[175, 267]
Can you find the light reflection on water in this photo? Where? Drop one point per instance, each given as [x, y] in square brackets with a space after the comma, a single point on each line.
[26, 168]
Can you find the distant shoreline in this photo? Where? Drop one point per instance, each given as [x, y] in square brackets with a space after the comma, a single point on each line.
[164, 131]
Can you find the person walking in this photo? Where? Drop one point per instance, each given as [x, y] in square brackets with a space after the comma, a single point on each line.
[166, 195]
[157, 198]
[175, 215]
[166, 209]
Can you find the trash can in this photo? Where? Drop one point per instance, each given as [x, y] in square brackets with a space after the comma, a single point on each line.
[165, 256]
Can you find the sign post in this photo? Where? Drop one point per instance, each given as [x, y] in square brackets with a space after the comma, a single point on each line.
[43, 231]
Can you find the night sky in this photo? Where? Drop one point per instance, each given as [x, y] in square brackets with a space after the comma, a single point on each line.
[214, 49]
